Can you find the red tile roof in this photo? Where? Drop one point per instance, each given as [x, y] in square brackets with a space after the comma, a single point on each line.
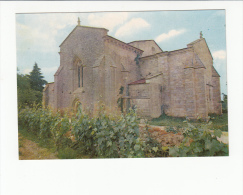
[141, 81]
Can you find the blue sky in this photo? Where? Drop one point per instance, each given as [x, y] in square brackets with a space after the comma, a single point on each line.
[39, 35]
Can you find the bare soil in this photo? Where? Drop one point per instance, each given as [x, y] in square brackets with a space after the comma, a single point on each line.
[29, 150]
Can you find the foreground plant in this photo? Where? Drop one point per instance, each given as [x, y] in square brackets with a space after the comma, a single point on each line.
[200, 142]
[107, 136]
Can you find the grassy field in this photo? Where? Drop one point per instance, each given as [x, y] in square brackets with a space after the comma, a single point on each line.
[29, 150]
[33, 147]
[218, 122]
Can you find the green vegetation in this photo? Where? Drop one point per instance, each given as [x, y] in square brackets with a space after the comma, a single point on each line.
[26, 95]
[199, 142]
[225, 103]
[36, 79]
[107, 136]
[218, 122]
[165, 120]
[30, 88]
[104, 136]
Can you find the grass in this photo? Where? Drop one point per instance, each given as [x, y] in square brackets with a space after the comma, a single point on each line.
[218, 122]
[47, 143]
[63, 153]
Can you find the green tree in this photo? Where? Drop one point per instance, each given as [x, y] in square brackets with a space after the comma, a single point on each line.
[26, 95]
[37, 81]
[225, 103]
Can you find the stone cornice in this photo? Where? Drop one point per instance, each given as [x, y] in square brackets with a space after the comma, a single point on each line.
[166, 53]
[121, 44]
[149, 57]
[183, 50]
[154, 76]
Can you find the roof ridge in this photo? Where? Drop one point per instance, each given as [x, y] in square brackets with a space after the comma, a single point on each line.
[147, 40]
[193, 42]
[93, 27]
[140, 41]
[79, 27]
[123, 42]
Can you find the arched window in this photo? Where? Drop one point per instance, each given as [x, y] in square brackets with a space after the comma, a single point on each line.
[80, 70]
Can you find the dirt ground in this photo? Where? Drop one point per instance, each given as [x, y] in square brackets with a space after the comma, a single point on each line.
[29, 150]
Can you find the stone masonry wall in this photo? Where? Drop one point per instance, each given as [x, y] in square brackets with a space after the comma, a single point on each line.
[201, 49]
[217, 95]
[149, 47]
[86, 45]
[121, 69]
[181, 84]
[200, 93]
[173, 85]
[48, 95]
[140, 97]
[149, 66]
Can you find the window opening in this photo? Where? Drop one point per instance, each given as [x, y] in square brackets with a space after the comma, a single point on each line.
[78, 76]
[82, 76]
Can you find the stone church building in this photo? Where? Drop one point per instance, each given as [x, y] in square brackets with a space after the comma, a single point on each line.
[96, 68]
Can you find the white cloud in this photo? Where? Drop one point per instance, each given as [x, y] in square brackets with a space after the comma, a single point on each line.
[107, 20]
[27, 71]
[34, 39]
[133, 26]
[47, 70]
[170, 34]
[39, 31]
[221, 54]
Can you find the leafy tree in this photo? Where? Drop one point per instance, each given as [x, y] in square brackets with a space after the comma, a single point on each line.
[30, 87]
[26, 95]
[225, 103]
[37, 81]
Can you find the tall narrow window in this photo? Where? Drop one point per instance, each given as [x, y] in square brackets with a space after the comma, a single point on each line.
[79, 76]
[82, 76]
[80, 70]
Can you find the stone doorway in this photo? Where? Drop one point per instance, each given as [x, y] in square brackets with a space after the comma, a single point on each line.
[77, 106]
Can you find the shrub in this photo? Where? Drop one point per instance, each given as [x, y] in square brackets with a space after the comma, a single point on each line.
[200, 142]
[107, 135]
[67, 153]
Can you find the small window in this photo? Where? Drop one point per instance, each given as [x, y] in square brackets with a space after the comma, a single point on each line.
[80, 70]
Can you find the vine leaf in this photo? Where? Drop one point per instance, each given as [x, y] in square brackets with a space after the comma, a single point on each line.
[174, 151]
[217, 133]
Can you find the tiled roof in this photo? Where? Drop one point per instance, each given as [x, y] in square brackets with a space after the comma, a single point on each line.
[141, 81]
